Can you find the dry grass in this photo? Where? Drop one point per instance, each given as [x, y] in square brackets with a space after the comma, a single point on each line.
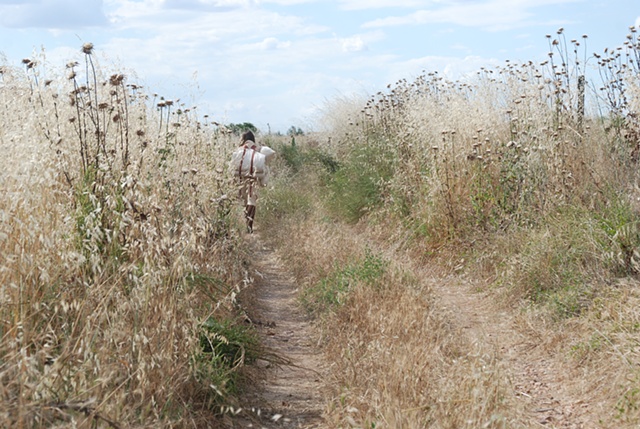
[501, 178]
[117, 244]
[397, 360]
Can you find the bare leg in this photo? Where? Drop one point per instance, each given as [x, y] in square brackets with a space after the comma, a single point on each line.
[250, 214]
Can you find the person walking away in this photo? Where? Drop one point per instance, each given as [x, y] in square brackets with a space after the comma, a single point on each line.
[249, 164]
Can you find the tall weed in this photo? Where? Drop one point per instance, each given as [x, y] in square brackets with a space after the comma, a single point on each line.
[114, 211]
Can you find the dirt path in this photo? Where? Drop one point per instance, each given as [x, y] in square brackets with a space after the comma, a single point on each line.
[539, 378]
[287, 395]
[287, 383]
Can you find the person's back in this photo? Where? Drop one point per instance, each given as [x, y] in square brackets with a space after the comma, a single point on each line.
[250, 166]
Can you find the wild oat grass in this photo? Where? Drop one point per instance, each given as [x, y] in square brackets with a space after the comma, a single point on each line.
[528, 174]
[112, 204]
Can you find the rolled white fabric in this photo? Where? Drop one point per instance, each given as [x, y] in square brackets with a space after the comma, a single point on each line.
[249, 163]
[268, 152]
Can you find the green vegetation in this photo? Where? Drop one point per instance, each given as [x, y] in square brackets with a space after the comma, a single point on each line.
[224, 348]
[333, 289]
[238, 129]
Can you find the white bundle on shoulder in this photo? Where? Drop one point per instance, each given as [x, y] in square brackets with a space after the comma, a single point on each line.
[268, 152]
[249, 163]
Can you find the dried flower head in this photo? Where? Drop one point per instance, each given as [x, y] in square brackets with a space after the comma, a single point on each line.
[87, 48]
[116, 79]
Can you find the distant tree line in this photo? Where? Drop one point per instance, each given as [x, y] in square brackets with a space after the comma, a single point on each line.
[240, 128]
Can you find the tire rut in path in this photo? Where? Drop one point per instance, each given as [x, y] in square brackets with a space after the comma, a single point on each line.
[286, 390]
[538, 378]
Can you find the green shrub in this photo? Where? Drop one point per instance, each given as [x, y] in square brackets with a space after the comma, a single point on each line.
[621, 241]
[285, 200]
[356, 187]
[557, 263]
[225, 346]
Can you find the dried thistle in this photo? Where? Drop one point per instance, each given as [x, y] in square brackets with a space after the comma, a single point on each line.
[87, 48]
[116, 79]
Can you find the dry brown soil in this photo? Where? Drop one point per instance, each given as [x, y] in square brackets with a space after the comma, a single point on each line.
[285, 390]
[288, 395]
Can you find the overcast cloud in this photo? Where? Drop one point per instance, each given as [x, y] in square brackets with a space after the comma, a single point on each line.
[276, 61]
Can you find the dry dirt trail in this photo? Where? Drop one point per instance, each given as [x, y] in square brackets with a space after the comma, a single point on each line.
[540, 378]
[288, 394]
[286, 389]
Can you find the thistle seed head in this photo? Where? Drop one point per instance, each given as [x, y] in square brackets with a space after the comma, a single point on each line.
[87, 48]
[116, 79]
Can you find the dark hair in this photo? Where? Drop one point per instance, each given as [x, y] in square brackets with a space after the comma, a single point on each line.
[248, 136]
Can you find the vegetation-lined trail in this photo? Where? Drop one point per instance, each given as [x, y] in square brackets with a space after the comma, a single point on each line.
[289, 394]
[286, 392]
[538, 376]
[121, 257]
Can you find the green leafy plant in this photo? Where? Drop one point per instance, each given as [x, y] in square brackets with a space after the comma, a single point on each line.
[225, 347]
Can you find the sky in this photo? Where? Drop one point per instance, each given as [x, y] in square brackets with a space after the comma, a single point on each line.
[281, 63]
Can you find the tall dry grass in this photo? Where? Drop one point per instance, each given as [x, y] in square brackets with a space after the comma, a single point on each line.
[524, 177]
[117, 242]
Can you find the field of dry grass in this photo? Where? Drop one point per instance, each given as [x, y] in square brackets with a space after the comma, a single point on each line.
[119, 253]
[470, 249]
[520, 186]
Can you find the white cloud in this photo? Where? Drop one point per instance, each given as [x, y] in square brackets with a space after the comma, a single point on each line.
[493, 15]
[353, 44]
[452, 68]
[54, 14]
[212, 5]
[284, 2]
[272, 44]
[230, 22]
[380, 4]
